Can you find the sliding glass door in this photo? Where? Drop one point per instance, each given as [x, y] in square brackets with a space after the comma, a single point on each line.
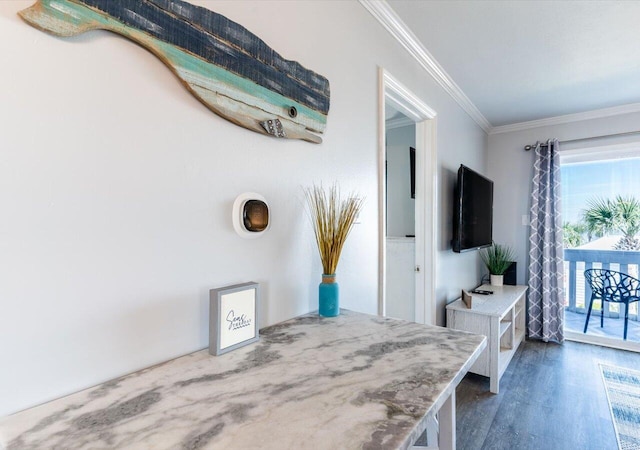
[601, 215]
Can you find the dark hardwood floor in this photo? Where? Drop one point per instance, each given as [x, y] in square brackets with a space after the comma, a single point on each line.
[551, 398]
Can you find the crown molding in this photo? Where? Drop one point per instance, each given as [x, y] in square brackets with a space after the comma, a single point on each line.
[388, 18]
[398, 122]
[404, 101]
[568, 118]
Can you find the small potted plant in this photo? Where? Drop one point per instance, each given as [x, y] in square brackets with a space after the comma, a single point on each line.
[497, 258]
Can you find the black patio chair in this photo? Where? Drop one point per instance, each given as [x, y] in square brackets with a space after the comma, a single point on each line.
[611, 286]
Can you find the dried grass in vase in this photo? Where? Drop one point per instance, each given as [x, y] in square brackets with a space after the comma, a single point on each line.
[332, 218]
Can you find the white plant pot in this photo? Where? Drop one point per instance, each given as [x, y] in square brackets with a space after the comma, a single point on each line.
[497, 280]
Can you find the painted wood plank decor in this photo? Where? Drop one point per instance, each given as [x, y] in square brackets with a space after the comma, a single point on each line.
[228, 68]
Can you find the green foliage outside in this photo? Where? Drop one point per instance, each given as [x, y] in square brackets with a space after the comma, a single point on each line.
[607, 216]
[573, 234]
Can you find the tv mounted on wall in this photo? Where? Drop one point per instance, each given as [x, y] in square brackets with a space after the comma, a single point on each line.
[472, 212]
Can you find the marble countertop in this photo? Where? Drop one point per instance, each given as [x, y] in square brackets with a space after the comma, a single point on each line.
[353, 381]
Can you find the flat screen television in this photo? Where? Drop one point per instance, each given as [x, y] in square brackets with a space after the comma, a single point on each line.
[472, 212]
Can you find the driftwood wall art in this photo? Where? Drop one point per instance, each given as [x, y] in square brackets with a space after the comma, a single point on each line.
[228, 68]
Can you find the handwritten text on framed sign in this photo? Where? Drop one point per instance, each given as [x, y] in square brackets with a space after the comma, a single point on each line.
[233, 317]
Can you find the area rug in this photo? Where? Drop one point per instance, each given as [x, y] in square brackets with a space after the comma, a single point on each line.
[623, 392]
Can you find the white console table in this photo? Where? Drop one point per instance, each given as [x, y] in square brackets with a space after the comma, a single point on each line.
[501, 318]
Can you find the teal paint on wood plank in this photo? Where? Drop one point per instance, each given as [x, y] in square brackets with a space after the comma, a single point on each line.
[230, 70]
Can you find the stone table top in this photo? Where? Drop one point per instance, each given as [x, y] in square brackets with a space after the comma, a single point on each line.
[352, 381]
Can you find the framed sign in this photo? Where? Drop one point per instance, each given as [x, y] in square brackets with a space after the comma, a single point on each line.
[467, 298]
[233, 317]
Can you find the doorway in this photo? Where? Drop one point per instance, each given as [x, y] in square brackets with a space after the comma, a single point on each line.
[408, 291]
[400, 215]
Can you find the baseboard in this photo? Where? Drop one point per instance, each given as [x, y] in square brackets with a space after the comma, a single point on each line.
[618, 344]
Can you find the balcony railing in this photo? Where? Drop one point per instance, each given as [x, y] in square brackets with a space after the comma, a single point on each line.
[577, 290]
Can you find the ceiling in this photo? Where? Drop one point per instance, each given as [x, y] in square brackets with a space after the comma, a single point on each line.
[519, 61]
[394, 118]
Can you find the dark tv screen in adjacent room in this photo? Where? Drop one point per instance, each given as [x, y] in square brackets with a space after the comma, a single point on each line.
[412, 168]
[473, 211]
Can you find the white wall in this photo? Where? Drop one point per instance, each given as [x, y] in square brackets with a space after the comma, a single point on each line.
[401, 216]
[511, 169]
[455, 271]
[116, 188]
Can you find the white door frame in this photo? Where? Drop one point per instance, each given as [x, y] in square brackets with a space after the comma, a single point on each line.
[392, 91]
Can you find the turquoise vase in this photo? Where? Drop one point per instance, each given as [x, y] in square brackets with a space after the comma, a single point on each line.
[329, 296]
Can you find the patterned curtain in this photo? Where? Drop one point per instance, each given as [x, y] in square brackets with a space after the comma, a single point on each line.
[546, 267]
